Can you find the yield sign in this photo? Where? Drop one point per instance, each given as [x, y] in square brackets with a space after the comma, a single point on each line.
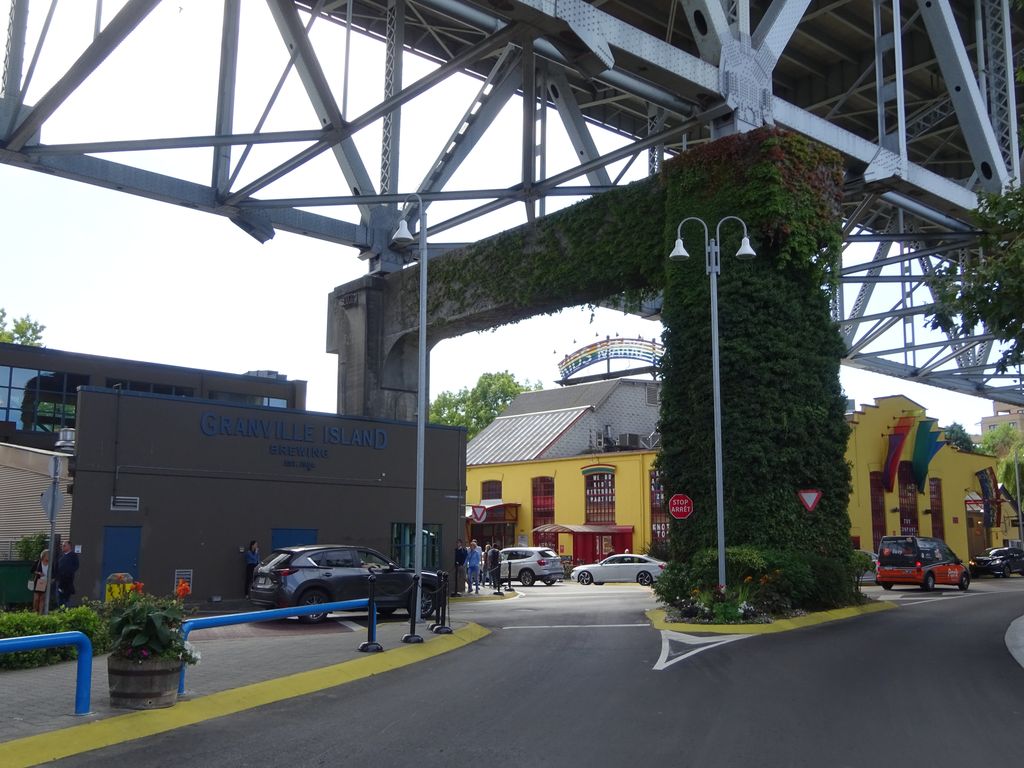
[809, 498]
[479, 513]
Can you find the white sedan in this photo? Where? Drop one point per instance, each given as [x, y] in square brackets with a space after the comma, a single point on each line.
[639, 568]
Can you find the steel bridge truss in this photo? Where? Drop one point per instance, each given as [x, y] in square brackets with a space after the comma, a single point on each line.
[919, 98]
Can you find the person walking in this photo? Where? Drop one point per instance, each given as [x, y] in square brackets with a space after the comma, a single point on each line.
[460, 568]
[485, 565]
[40, 575]
[67, 567]
[494, 567]
[473, 569]
[252, 559]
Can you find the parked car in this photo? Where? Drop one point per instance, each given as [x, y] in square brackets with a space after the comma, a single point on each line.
[326, 573]
[998, 561]
[919, 560]
[642, 569]
[530, 564]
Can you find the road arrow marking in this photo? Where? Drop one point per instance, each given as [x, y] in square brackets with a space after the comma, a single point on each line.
[668, 657]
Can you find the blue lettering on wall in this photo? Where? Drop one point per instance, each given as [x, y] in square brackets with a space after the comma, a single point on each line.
[283, 431]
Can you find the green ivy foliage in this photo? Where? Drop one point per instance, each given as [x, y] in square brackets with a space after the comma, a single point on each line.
[783, 410]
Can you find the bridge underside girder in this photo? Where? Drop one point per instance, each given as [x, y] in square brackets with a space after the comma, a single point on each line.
[918, 97]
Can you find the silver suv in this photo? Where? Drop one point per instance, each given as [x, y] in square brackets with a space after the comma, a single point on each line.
[529, 564]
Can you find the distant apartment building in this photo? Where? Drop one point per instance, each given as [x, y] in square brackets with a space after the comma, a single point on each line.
[1003, 413]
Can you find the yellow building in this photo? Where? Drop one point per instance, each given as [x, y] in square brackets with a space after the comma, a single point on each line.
[906, 480]
[547, 473]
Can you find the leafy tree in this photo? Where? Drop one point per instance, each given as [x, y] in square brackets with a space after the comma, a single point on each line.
[475, 408]
[958, 437]
[24, 331]
[1000, 441]
[29, 547]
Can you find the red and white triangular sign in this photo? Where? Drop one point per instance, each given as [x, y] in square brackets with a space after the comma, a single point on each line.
[479, 513]
[809, 498]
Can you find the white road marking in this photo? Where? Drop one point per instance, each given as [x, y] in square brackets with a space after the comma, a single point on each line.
[668, 637]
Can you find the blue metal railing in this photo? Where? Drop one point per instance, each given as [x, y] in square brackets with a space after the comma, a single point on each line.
[83, 680]
[272, 615]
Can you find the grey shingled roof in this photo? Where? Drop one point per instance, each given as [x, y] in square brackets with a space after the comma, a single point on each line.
[521, 437]
[576, 396]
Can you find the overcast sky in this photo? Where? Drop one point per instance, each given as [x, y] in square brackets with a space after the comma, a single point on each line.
[111, 274]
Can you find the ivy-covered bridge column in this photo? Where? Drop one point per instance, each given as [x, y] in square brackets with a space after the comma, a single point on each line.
[783, 410]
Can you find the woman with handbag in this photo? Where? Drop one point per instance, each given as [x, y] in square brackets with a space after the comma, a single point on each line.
[40, 578]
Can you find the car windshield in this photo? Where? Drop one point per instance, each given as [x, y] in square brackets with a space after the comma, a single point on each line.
[547, 553]
[900, 553]
[994, 552]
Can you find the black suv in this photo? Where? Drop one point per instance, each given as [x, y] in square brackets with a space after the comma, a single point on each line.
[327, 573]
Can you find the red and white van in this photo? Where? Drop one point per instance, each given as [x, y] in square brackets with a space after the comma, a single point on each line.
[919, 560]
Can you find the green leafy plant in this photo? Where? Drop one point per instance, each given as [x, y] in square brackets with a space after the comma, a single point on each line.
[29, 547]
[25, 623]
[143, 627]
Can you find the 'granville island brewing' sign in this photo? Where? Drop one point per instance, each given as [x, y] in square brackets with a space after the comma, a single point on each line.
[292, 438]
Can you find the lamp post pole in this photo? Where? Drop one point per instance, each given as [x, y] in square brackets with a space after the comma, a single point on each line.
[403, 236]
[421, 408]
[713, 266]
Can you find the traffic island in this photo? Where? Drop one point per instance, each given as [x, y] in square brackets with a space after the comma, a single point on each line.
[660, 621]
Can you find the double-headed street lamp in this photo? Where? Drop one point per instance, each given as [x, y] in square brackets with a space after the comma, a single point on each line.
[713, 264]
[403, 236]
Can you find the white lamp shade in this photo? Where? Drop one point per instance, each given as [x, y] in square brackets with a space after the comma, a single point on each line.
[403, 236]
[745, 251]
[679, 252]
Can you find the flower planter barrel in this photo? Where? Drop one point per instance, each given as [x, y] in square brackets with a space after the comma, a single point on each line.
[151, 684]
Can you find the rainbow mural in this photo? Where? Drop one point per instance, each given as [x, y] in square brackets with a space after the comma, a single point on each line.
[645, 350]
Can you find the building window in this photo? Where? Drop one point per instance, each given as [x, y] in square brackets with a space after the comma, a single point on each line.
[148, 386]
[39, 401]
[237, 397]
[877, 510]
[935, 500]
[402, 546]
[600, 497]
[908, 500]
[659, 515]
[544, 511]
[490, 489]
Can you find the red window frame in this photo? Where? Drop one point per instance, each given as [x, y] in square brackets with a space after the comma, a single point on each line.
[935, 500]
[659, 515]
[490, 489]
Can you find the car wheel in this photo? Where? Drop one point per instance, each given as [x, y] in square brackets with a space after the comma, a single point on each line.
[1006, 571]
[585, 578]
[313, 597]
[885, 585]
[644, 579]
[549, 582]
[965, 581]
[929, 582]
[526, 578]
[426, 604]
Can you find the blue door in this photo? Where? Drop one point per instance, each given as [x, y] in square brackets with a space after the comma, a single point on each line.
[121, 550]
[291, 537]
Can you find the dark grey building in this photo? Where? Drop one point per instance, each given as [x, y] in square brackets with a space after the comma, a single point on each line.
[168, 488]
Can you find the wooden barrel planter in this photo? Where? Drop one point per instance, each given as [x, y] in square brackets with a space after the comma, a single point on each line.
[147, 685]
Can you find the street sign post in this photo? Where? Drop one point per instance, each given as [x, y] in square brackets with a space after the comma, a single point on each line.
[680, 506]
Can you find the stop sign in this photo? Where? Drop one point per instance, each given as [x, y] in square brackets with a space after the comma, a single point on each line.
[680, 506]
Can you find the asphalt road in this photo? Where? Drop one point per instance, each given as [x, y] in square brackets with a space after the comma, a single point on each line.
[568, 677]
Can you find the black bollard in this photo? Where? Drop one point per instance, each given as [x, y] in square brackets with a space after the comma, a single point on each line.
[371, 643]
[442, 627]
[412, 637]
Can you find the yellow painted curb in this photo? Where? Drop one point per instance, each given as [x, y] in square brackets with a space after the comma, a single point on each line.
[54, 745]
[658, 621]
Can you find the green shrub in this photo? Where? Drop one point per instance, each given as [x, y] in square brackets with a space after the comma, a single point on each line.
[773, 582]
[29, 547]
[25, 623]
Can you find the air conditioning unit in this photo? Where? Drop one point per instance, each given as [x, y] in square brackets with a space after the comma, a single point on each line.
[629, 440]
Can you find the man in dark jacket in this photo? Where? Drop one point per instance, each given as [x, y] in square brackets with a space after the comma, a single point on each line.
[67, 566]
[460, 568]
